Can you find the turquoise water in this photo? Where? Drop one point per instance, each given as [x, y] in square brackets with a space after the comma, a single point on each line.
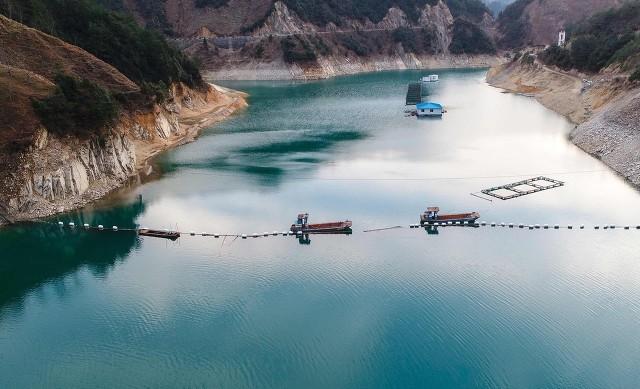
[484, 307]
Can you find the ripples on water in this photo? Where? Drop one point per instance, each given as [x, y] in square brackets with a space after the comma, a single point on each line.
[399, 308]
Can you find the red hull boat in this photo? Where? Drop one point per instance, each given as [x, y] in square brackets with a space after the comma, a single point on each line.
[431, 216]
[302, 226]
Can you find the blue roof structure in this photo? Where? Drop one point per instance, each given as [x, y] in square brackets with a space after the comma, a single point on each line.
[428, 105]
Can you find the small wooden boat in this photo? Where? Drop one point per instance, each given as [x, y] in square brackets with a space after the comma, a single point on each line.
[302, 225]
[171, 235]
[431, 216]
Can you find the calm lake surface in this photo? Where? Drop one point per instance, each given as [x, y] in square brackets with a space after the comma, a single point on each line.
[467, 307]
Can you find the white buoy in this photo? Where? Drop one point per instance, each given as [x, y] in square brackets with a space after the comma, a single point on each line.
[204, 233]
[546, 226]
[582, 226]
[216, 235]
[86, 226]
[192, 233]
[265, 233]
[596, 227]
[493, 224]
[100, 226]
[626, 227]
[115, 228]
[605, 227]
[72, 224]
[502, 224]
[285, 233]
[612, 227]
[410, 225]
[290, 232]
[556, 227]
[521, 225]
[570, 227]
[244, 236]
[483, 223]
[530, 226]
[255, 235]
[537, 225]
[61, 224]
[275, 233]
[510, 225]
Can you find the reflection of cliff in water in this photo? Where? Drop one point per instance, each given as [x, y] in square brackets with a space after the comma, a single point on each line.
[36, 253]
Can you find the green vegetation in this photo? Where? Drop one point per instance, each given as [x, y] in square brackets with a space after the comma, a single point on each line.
[415, 41]
[604, 39]
[635, 76]
[141, 55]
[469, 9]
[297, 49]
[513, 24]
[77, 107]
[321, 12]
[152, 11]
[470, 39]
[211, 3]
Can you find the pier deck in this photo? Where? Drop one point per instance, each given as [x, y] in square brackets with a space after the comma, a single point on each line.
[414, 93]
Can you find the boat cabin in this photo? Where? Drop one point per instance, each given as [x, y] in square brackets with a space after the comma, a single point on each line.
[432, 213]
[429, 109]
[430, 78]
[303, 219]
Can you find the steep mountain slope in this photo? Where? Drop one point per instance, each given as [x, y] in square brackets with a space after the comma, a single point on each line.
[320, 38]
[44, 171]
[537, 22]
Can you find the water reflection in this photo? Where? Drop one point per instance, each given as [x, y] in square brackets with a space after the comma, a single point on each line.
[36, 253]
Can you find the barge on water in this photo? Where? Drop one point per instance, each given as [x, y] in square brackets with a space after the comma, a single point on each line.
[432, 216]
[302, 225]
[163, 234]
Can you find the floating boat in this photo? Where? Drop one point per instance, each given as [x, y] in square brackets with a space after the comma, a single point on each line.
[301, 225]
[431, 216]
[429, 108]
[429, 82]
[171, 235]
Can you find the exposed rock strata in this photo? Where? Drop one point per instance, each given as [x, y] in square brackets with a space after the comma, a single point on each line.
[606, 110]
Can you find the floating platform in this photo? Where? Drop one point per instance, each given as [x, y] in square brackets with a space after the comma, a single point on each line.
[522, 188]
[414, 93]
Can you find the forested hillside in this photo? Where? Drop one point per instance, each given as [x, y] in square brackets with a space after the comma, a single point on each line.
[142, 55]
[608, 38]
[537, 22]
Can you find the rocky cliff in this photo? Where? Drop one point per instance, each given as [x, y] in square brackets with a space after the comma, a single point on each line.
[605, 108]
[43, 173]
[286, 39]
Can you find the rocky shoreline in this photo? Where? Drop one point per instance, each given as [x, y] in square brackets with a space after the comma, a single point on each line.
[333, 66]
[58, 175]
[605, 110]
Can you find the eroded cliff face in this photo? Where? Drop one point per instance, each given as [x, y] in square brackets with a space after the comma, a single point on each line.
[351, 46]
[605, 109]
[59, 174]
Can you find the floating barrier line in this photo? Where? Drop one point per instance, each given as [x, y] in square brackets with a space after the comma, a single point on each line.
[435, 225]
[405, 178]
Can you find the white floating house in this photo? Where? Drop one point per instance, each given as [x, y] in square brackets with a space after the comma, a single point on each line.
[429, 109]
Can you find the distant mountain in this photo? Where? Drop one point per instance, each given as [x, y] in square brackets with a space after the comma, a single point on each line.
[496, 6]
[537, 22]
[312, 35]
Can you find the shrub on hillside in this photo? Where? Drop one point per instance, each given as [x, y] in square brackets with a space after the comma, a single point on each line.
[295, 49]
[141, 55]
[635, 76]
[470, 39]
[513, 24]
[77, 107]
[557, 56]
